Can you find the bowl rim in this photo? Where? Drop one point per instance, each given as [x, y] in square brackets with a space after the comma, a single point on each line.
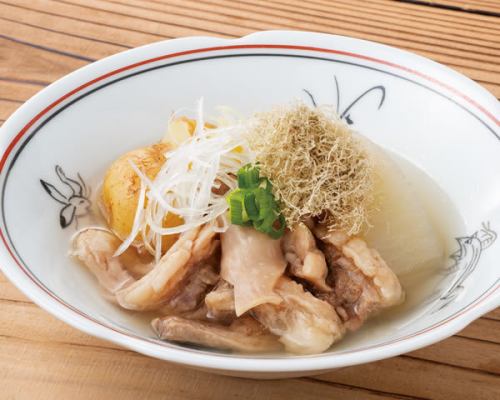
[283, 40]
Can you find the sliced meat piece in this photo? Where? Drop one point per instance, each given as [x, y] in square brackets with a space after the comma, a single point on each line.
[305, 324]
[375, 268]
[252, 262]
[220, 302]
[335, 238]
[137, 263]
[157, 287]
[244, 335]
[198, 314]
[353, 297]
[306, 261]
[95, 249]
[362, 282]
[192, 290]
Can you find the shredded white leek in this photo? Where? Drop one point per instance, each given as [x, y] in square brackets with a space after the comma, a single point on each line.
[184, 184]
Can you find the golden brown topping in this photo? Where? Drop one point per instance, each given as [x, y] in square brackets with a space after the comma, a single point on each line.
[315, 165]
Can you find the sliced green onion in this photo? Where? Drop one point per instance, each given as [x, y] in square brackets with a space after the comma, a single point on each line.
[274, 232]
[265, 202]
[253, 203]
[248, 177]
[265, 184]
[264, 225]
[236, 208]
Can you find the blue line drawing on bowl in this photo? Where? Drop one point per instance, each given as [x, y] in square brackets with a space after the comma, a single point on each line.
[345, 114]
[76, 204]
[465, 261]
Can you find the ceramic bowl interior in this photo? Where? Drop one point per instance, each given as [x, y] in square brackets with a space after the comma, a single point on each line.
[431, 117]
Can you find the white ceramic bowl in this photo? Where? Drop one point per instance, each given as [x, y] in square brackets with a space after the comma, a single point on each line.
[433, 117]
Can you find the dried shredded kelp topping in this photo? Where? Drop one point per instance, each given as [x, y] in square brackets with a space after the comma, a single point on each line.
[316, 165]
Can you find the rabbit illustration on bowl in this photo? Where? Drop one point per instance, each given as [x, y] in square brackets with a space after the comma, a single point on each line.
[76, 204]
[345, 114]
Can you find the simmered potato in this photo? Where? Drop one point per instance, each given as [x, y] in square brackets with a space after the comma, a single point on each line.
[121, 185]
[179, 130]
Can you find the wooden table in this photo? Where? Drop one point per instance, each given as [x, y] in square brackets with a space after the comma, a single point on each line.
[40, 41]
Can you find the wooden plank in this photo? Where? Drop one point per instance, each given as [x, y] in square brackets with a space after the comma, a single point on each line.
[412, 13]
[17, 90]
[483, 5]
[180, 19]
[476, 6]
[73, 46]
[163, 28]
[21, 319]
[484, 329]
[12, 294]
[422, 30]
[219, 16]
[76, 27]
[21, 62]
[462, 352]
[495, 314]
[433, 12]
[68, 371]
[423, 379]
[7, 107]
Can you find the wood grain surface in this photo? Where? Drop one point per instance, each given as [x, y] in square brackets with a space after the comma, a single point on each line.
[40, 41]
